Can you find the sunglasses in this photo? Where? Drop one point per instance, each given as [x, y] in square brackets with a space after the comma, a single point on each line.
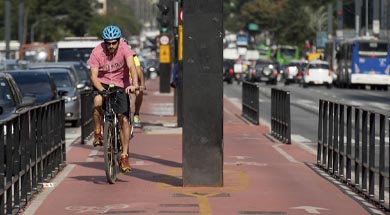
[111, 43]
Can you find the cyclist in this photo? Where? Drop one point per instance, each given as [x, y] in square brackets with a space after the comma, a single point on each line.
[110, 63]
[139, 97]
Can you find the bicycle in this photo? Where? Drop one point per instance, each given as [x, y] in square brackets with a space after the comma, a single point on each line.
[111, 134]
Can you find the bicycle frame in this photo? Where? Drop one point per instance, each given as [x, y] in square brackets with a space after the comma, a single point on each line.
[111, 135]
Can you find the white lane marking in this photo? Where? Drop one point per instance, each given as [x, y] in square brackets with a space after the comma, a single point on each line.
[310, 209]
[94, 209]
[91, 156]
[283, 153]
[300, 138]
[239, 163]
[39, 199]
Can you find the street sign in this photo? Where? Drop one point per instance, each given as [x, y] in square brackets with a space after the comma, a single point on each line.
[164, 40]
[165, 55]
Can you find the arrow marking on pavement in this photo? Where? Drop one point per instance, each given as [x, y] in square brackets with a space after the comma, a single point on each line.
[310, 209]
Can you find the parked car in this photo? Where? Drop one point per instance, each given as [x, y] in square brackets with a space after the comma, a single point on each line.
[12, 100]
[78, 68]
[64, 80]
[36, 83]
[264, 71]
[317, 72]
[293, 71]
[9, 64]
[228, 70]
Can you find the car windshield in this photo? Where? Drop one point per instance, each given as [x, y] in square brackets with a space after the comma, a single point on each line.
[32, 82]
[318, 66]
[74, 54]
[62, 79]
[82, 71]
[285, 52]
[6, 99]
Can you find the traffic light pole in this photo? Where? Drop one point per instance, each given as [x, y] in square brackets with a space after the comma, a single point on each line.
[165, 20]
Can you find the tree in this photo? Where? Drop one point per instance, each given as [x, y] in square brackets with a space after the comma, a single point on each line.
[52, 20]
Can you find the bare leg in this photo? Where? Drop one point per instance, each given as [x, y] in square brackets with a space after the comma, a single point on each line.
[138, 103]
[97, 111]
[125, 133]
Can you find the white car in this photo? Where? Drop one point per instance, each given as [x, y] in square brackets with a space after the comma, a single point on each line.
[317, 72]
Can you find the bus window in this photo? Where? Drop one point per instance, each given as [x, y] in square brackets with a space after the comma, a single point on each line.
[372, 49]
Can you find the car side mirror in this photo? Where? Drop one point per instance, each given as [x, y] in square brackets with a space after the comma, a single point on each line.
[80, 86]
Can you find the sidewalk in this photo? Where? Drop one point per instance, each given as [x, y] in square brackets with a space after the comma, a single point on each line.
[261, 176]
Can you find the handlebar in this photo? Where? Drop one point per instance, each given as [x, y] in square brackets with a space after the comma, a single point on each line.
[111, 91]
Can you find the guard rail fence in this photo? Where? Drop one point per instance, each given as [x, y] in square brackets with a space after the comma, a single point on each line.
[250, 102]
[32, 151]
[352, 144]
[280, 115]
[87, 125]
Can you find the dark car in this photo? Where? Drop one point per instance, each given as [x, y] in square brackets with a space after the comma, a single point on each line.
[65, 81]
[11, 98]
[264, 71]
[36, 83]
[228, 70]
[78, 69]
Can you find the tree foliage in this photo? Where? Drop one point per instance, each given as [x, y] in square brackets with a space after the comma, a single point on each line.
[286, 21]
[51, 20]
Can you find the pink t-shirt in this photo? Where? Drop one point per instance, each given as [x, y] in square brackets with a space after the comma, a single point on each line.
[113, 70]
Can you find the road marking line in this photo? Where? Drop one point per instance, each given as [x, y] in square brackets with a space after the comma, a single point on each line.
[282, 152]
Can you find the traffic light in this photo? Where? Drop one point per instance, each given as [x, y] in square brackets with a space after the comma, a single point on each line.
[166, 15]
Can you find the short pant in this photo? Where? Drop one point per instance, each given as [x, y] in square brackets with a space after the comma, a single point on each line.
[121, 102]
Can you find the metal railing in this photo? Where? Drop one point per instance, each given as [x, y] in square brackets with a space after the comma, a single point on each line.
[32, 151]
[352, 149]
[87, 125]
[280, 115]
[250, 102]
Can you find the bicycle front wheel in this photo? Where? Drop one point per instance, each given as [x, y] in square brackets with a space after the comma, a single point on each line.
[109, 151]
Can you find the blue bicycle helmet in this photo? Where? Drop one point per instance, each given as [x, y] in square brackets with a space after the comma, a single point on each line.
[111, 32]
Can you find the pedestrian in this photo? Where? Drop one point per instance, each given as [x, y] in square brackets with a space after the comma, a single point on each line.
[140, 95]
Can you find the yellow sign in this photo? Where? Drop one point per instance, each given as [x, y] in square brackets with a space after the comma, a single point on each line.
[180, 55]
[165, 55]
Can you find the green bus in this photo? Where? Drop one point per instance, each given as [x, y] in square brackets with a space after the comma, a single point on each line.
[285, 54]
[264, 51]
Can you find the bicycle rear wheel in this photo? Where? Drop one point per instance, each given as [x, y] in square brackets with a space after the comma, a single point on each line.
[109, 152]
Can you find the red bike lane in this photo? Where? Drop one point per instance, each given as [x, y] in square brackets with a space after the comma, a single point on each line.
[261, 176]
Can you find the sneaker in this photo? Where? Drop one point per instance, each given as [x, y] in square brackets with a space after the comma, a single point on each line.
[124, 163]
[136, 121]
[98, 138]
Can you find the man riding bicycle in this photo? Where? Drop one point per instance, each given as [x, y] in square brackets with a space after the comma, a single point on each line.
[110, 63]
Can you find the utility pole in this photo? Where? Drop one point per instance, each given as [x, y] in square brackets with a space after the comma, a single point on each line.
[7, 34]
[358, 8]
[202, 93]
[330, 20]
[21, 22]
[375, 21]
[339, 31]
